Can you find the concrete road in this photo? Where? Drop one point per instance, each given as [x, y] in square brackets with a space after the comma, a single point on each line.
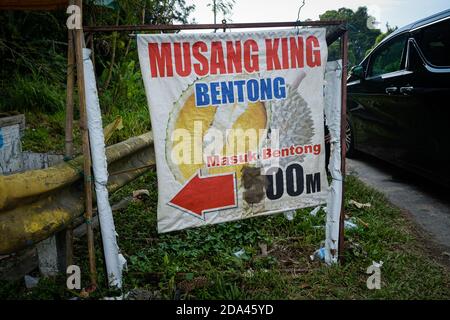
[427, 204]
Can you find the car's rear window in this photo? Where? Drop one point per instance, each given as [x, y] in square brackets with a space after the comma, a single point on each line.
[434, 41]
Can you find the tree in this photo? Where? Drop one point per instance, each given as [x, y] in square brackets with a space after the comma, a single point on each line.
[33, 48]
[223, 6]
[361, 38]
[131, 12]
[382, 36]
[117, 51]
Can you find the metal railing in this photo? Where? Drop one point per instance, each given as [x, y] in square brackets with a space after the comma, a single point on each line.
[36, 204]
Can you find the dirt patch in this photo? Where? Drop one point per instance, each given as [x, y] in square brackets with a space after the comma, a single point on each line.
[291, 256]
[425, 241]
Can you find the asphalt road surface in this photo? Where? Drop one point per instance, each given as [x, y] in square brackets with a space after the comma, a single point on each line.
[427, 204]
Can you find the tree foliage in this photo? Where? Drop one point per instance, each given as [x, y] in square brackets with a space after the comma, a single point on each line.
[361, 37]
[32, 43]
[382, 36]
[138, 12]
[33, 48]
[33, 51]
[221, 6]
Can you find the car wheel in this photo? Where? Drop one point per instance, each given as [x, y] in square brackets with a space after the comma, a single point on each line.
[349, 140]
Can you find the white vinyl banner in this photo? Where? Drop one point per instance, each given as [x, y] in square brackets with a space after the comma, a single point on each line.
[237, 120]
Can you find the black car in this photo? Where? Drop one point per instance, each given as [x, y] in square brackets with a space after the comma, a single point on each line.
[399, 99]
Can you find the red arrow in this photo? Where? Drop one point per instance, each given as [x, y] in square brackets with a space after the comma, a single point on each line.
[201, 194]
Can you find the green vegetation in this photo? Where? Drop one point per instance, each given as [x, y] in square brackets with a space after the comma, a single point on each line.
[33, 68]
[45, 130]
[33, 60]
[360, 37]
[381, 37]
[200, 264]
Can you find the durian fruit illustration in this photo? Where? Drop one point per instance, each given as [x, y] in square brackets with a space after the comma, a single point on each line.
[292, 118]
[237, 116]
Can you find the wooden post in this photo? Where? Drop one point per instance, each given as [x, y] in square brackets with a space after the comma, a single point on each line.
[69, 96]
[69, 130]
[79, 44]
[344, 55]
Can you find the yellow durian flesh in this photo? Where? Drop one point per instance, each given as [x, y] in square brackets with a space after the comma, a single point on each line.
[254, 117]
[187, 117]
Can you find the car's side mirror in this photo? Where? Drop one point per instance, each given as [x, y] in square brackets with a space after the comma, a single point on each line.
[357, 72]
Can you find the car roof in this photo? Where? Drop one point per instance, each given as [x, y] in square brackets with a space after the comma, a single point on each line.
[416, 24]
[419, 23]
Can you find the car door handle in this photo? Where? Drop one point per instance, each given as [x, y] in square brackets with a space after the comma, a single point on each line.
[391, 90]
[406, 90]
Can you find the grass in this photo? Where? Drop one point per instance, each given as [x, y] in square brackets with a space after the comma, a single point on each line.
[45, 132]
[42, 101]
[200, 264]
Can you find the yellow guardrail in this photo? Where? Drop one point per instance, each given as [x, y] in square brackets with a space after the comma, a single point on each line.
[35, 204]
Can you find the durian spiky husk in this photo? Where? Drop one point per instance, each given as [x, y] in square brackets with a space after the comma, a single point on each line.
[292, 132]
[232, 116]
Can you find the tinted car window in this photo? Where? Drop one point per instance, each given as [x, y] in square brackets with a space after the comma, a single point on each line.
[387, 58]
[434, 41]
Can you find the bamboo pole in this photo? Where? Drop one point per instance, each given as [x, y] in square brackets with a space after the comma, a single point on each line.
[69, 131]
[69, 96]
[79, 44]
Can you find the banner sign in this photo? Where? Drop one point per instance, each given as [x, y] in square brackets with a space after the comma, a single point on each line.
[237, 120]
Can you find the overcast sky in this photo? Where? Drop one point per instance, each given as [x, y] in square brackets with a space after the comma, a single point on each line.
[395, 12]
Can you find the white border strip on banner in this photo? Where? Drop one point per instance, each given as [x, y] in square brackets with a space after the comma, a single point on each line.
[332, 106]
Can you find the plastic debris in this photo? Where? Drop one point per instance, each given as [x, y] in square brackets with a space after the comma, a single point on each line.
[365, 224]
[349, 224]
[31, 282]
[138, 195]
[319, 254]
[377, 264]
[315, 211]
[360, 205]
[239, 254]
[114, 298]
[289, 215]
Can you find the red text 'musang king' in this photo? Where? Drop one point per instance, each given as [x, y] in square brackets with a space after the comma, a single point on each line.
[232, 57]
